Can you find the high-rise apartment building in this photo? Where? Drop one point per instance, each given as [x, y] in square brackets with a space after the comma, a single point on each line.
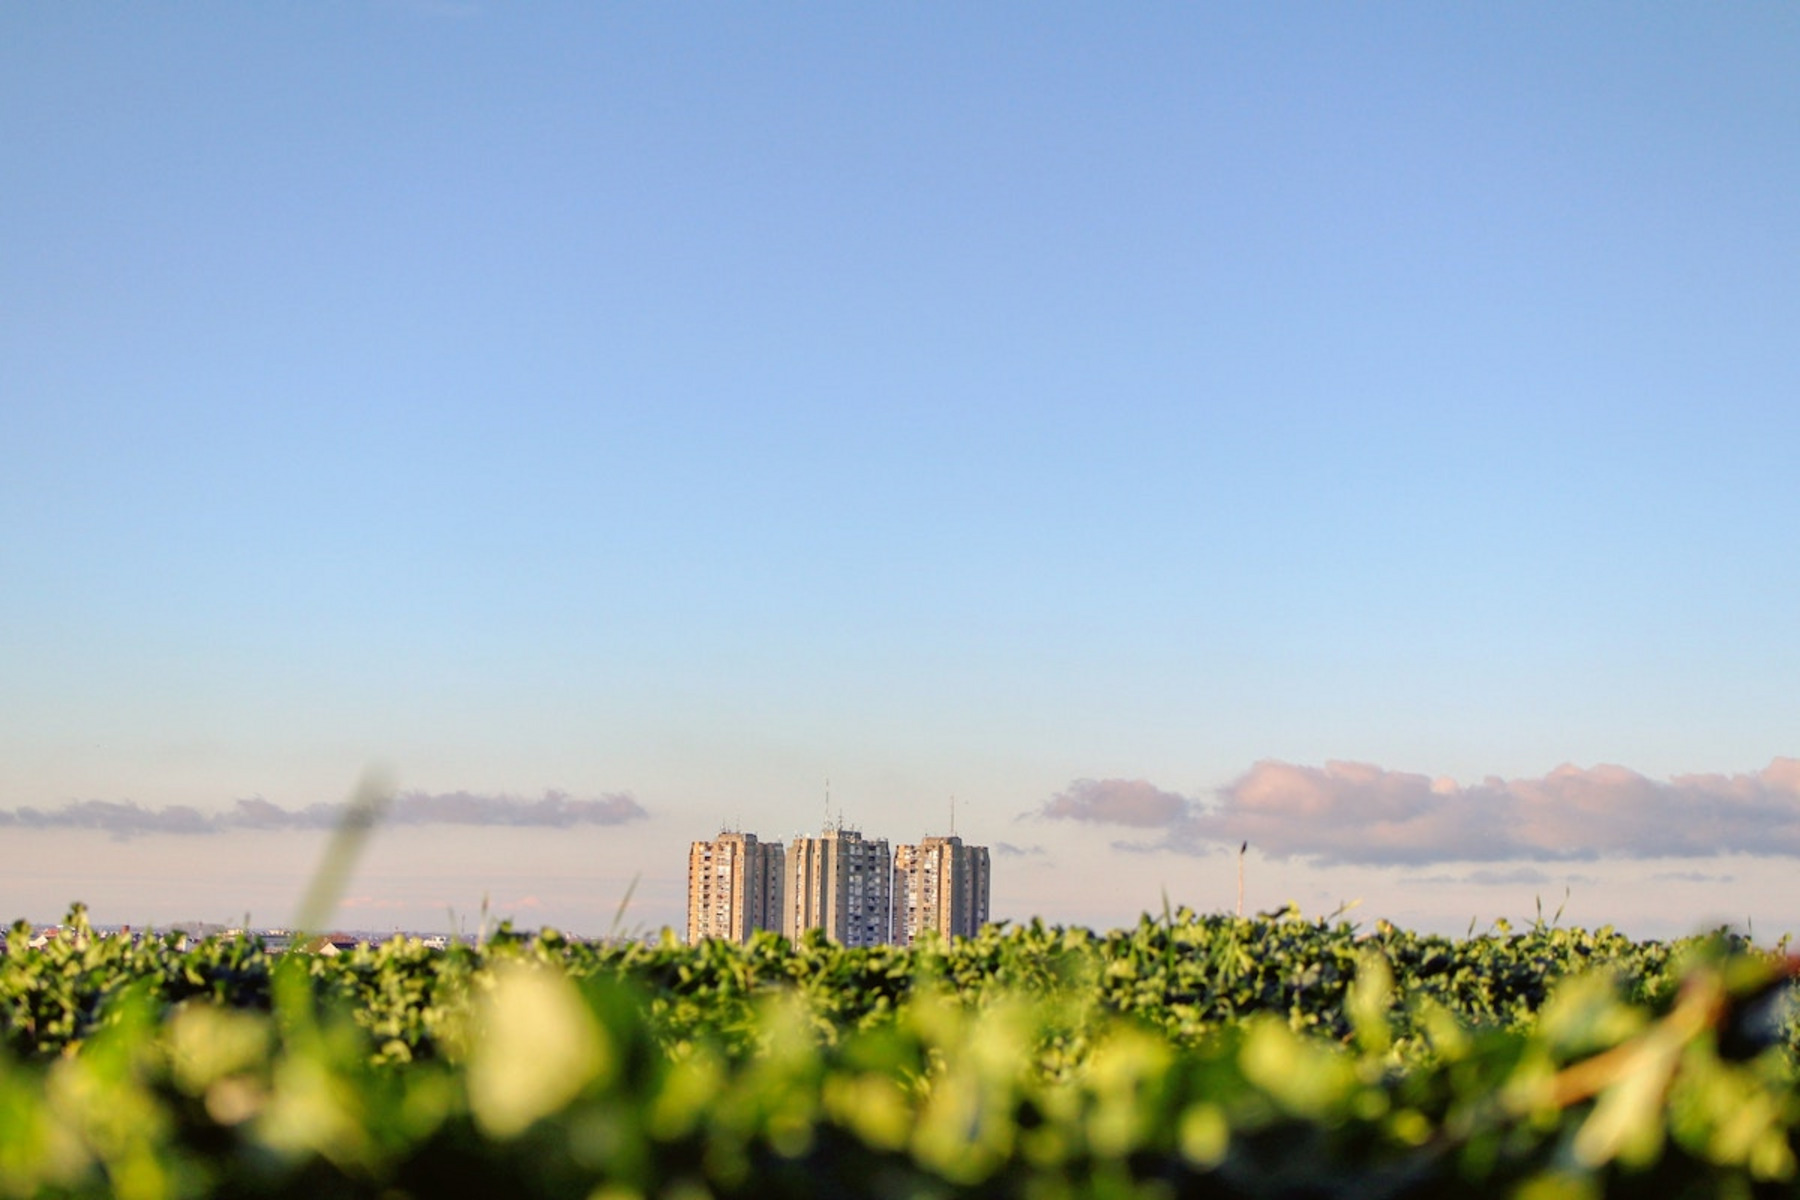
[839, 883]
[734, 887]
[939, 884]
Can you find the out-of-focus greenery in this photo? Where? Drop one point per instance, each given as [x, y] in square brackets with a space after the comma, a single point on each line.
[1191, 1055]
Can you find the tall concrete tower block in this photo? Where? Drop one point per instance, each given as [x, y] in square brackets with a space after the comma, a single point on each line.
[734, 887]
[838, 882]
[940, 884]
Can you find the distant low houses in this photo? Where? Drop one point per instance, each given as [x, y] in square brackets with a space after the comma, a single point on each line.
[274, 940]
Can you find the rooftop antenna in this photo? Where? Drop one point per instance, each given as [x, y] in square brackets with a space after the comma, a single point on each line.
[952, 816]
[827, 803]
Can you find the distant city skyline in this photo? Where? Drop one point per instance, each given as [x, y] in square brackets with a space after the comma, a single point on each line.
[1366, 432]
[853, 890]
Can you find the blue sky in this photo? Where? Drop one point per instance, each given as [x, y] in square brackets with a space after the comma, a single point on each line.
[698, 403]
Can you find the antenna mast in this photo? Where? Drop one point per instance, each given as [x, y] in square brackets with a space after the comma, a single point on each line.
[1242, 850]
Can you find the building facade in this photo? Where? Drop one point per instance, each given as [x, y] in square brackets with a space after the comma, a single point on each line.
[735, 887]
[840, 883]
[939, 884]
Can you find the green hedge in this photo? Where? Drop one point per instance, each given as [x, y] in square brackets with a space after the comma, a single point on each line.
[1192, 1055]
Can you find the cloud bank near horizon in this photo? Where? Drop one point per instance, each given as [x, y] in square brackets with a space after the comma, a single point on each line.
[1360, 814]
[125, 819]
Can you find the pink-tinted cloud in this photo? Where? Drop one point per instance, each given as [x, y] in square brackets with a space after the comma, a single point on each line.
[1115, 802]
[1345, 812]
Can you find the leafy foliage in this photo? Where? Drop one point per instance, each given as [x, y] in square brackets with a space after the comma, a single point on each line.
[1192, 1055]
